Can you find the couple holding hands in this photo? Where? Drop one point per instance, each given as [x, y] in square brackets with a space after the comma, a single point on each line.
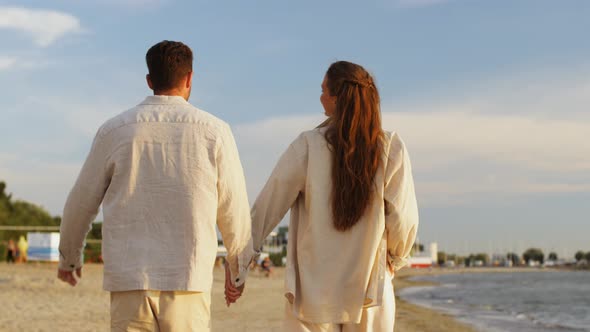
[167, 173]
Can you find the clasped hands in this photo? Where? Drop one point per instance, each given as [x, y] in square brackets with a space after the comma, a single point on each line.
[232, 293]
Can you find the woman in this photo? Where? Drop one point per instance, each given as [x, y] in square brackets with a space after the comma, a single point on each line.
[353, 211]
[23, 246]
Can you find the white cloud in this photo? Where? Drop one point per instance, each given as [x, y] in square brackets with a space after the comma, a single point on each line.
[261, 143]
[86, 118]
[531, 143]
[519, 135]
[7, 62]
[418, 3]
[44, 26]
[502, 140]
[131, 3]
[457, 157]
[140, 2]
[77, 116]
[41, 182]
[455, 154]
[21, 63]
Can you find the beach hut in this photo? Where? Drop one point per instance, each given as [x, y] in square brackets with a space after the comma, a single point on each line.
[43, 247]
[420, 261]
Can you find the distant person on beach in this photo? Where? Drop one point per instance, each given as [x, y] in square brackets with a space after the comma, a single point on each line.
[10, 251]
[23, 246]
[266, 266]
[166, 174]
[354, 214]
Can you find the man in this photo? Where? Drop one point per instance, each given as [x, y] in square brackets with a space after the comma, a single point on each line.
[166, 173]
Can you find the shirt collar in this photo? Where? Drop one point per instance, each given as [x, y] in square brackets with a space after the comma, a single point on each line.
[163, 100]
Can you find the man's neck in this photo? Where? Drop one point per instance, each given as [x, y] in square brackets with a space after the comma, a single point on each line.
[172, 93]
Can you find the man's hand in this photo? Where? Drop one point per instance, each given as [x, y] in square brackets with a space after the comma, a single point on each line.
[68, 276]
[232, 293]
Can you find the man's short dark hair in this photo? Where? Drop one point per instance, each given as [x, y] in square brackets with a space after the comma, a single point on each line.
[168, 63]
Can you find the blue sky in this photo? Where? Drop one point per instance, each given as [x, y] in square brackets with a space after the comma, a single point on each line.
[491, 97]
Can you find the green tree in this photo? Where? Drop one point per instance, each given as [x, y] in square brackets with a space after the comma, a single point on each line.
[485, 258]
[470, 261]
[21, 213]
[282, 234]
[552, 256]
[461, 260]
[533, 254]
[92, 253]
[587, 256]
[417, 248]
[95, 231]
[277, 258]
[441, 258]
[5, 206]
[579, 255]
[513, 257]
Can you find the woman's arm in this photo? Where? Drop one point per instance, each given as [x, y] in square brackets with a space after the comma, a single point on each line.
[284, 185]
[401, 209]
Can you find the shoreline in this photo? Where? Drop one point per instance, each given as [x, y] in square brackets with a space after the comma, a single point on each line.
[411, 317]
[35, 300]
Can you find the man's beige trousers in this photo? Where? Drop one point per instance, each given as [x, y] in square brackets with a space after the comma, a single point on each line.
[160, 311]
[374, 319]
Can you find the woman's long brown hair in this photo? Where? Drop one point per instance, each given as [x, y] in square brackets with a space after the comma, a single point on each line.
[355, 137]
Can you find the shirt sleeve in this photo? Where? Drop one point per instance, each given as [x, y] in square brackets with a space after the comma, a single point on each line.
[82, 206]
[401, 208]
[280, 192]
[233, 210]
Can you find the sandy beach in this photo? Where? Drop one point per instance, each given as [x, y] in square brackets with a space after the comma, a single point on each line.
[33, 299]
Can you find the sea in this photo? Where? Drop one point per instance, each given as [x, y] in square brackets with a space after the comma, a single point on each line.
[546, 300]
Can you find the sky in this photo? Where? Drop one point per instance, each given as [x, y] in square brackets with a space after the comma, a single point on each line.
[491, 97]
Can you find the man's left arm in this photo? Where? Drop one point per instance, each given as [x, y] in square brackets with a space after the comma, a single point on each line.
[233, 210]
[80, 210]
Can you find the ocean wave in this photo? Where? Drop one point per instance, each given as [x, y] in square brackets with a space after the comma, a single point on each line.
[501, 303]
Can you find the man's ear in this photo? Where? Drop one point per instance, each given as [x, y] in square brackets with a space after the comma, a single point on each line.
[149, 81]
[189, 80]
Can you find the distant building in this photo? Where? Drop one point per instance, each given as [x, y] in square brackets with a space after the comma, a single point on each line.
[533, 263]
[501, 260]
[274, 243]
[434, 251]
[420, 261]
[424, 259]
[43, 246]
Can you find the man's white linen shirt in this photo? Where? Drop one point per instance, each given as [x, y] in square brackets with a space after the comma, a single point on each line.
[166, 174]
